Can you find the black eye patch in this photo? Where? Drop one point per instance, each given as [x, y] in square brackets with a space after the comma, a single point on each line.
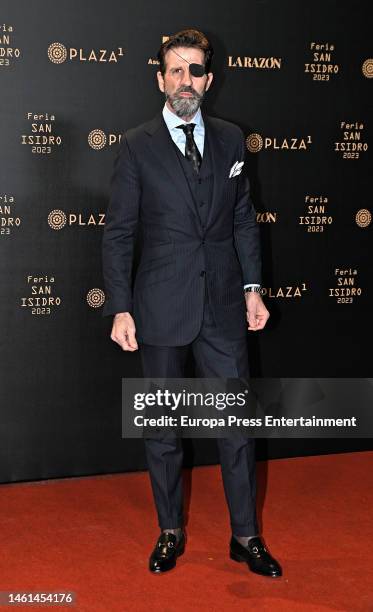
[196, 70]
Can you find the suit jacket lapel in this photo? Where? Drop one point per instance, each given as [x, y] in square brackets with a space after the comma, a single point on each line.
[218, 148]
[163, 148]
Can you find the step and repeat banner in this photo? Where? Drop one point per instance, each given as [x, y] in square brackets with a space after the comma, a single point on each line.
[75, 75]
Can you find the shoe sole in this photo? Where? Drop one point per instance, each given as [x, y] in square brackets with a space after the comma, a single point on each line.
[239, 559]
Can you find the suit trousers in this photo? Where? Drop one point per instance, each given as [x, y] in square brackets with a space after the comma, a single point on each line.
[214, 357]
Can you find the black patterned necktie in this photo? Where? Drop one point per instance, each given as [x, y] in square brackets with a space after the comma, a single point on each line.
[191, 150]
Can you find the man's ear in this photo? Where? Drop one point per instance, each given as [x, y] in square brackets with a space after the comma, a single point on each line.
[160, 80]
[210, 76]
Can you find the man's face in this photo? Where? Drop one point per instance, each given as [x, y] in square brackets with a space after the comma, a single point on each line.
[184, 92]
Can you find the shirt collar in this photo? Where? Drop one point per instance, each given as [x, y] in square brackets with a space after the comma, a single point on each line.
[172, 120]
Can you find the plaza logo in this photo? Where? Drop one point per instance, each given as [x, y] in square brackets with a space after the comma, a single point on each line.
[245, 61]
[346, 289]
[40, 298]
[42, 138]
[8, 221]
[57, 219]
[58, 54]
[266, 217]
[316, 217]
[289, 292]
[367, 68]
[95, 298]
[97, 139]
[363, 217]
[351, 144]
[8, 52]
[321, 66]
[256, 142]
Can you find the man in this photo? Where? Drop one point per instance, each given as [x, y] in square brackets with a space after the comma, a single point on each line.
[178, 181]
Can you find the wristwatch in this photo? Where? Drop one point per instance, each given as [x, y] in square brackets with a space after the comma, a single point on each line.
[255, 288]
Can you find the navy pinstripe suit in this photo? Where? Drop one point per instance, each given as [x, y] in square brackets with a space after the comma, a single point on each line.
[188, 290]
[150, 193]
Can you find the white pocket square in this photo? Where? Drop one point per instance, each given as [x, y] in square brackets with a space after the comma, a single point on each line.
[236, 169]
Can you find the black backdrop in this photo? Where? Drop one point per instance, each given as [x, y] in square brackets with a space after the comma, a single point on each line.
[61, 373]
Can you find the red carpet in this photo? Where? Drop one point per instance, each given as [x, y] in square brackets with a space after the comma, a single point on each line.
[93, 536]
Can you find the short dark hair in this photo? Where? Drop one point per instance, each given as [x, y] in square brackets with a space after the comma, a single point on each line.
[186, 38]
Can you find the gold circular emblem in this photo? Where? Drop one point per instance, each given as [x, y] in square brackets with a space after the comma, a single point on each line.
[254, 143]
[95, 298]
[367, 68]
[56, 219]
[97, 139]
[57, 53]
[363, 217]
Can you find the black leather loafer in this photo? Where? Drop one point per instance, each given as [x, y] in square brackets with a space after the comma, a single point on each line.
[256, 556]
[165, 553]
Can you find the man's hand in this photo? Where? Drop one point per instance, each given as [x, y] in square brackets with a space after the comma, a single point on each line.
[124, 331]
[257, 315]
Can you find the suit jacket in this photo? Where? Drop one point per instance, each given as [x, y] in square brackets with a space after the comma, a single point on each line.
[150, 193]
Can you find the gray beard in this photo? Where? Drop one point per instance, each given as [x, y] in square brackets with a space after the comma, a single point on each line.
[185, 107]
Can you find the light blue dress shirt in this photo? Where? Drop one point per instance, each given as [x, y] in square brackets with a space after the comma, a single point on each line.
[179, 138]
